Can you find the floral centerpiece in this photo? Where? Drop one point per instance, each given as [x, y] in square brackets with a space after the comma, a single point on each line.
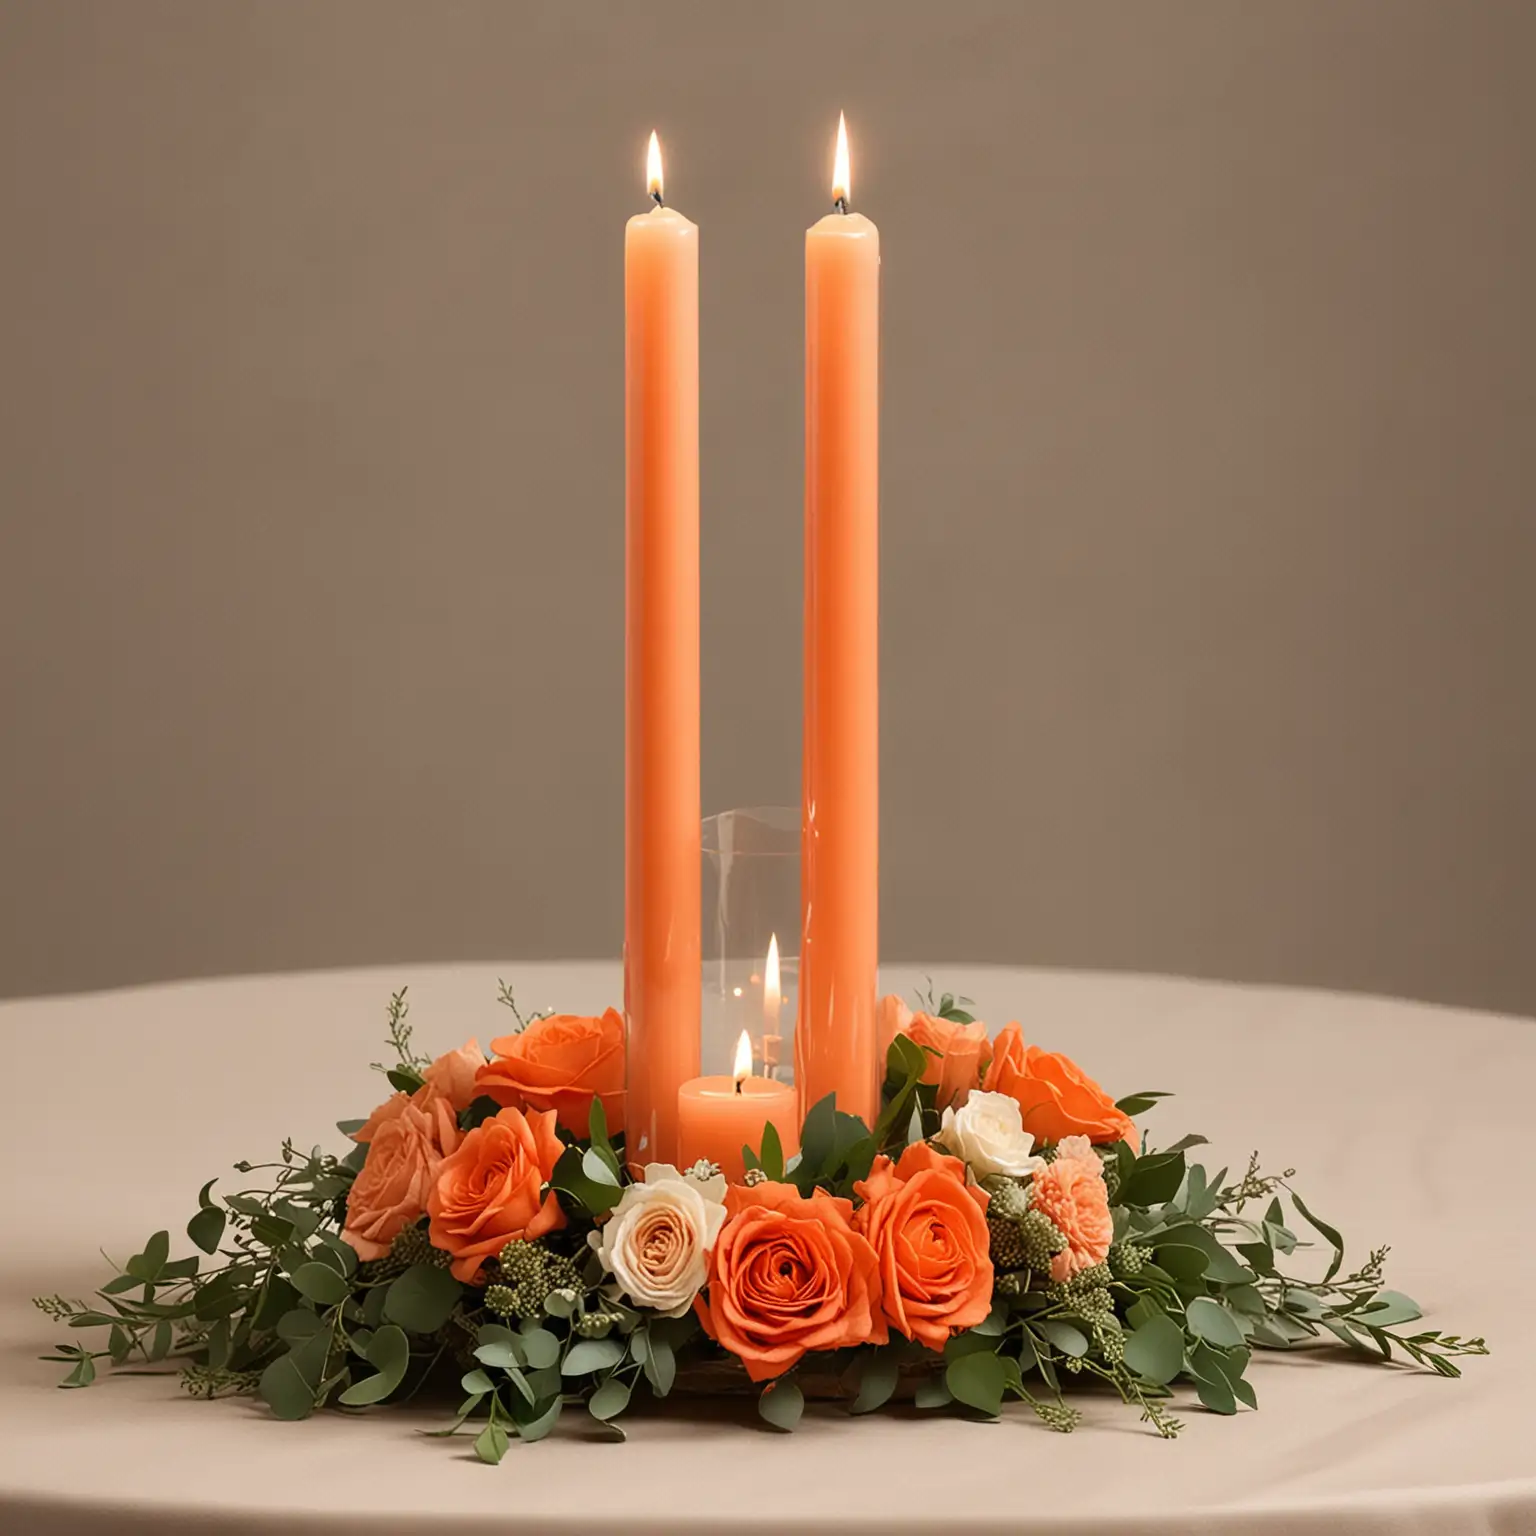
[1004, 1231]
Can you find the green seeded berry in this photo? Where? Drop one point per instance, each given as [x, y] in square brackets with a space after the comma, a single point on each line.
[1008, 1248]
[1126, 1260]
[500, 1299]
[1058, 1416]
[1111, 1344]
[1010, 1200]
[1039, 1240]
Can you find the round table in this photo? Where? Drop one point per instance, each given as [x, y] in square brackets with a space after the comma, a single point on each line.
[1406, 1123]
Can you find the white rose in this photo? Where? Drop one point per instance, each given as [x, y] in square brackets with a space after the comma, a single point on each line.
[656, 1241]
[987, 1132]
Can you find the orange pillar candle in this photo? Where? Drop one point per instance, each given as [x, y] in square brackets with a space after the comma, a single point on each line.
[718, 1116]
[661, 668]
[835, 1041]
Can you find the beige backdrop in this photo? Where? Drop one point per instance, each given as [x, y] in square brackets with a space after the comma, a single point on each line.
[1209, 536]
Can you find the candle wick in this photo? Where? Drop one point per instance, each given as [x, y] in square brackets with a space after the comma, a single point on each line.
[657, 197]
[840, 204]
[738, 1085]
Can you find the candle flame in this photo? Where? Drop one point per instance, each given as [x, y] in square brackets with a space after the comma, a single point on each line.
[653, 184]
[842, 179]
[771, 990]
[743, 1067]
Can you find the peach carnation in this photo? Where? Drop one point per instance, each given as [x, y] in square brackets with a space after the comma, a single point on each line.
[1072, 1193]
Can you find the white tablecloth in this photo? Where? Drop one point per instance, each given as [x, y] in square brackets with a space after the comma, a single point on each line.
[1407, 1124]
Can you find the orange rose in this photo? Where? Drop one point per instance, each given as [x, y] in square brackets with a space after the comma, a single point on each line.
[491, 1191]
[407, 1137]
[560, 1063]
[929, 1231]
[957, 1053]
[787, 1276]
[453, 1074]
[1055, 1096]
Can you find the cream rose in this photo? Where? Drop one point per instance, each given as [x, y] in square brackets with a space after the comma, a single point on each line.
[987, 1133]
[657, 1240]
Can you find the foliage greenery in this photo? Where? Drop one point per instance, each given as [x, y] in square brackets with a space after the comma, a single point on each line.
[272, 1302]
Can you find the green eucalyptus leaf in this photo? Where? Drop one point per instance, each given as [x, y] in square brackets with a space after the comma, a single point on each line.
[560, 1303]
[978, 1381]
[1211, 1321]
[1182, 1261]
[422, 1299]
[1304, 1303]
[83, 1374]
[879, 1372]
[491, 1444]
[206, 1228]
[477, 1383]
[540, 1347]
[295, 1326]
[932, 1392]
[781, 1403]
[588, 1355]
[660, 1364]
[146, 1266]
[1139, 1103]
[320, 1283]
[1060, 1335]
[1387, 1309]
[503, 1356]
[1259, 1257]
[544, 1421]
[1154, 1179]
[993, 1325]
[373, 1306]
[160, 1340]
[1331, 1234]
[1246, 1299]
[610, 1399]
[1216, 1394]
[1155, 1349]
[388, 1352]
[272, 1230]
[290, 1384]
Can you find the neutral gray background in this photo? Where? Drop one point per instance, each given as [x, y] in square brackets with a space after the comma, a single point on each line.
[1208, 523]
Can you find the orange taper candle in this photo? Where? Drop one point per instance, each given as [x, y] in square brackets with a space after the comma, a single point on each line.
[661, 668]
[835, 1041]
